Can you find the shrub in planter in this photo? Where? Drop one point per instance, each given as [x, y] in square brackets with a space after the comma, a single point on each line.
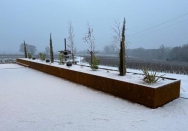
[61, 57]
[95, 63]
[150, 77]
[42, 56]
[29, 55]
[69, 64]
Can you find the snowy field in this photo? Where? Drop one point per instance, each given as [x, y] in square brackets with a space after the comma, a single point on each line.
[35, 101]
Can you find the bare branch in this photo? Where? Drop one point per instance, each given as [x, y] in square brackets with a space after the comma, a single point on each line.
[116, 37]
[89, 39]
[71, 39]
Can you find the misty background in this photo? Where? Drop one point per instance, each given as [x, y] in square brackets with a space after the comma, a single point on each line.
[34, 20]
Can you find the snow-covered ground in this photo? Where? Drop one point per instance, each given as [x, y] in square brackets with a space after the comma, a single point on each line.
[31, 100]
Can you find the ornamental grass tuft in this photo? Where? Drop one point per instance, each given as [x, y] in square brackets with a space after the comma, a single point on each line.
[151, 77]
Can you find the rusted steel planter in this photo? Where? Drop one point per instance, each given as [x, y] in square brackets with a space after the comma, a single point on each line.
[151, 97]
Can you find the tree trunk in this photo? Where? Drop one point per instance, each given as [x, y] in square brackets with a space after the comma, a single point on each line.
[51, 50]
[25, 50]
[73, 58]
[91, 58]
[123, 57]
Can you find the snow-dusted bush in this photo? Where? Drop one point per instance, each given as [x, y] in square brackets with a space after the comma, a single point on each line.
[42, 56]
[150, 77]
[29, 55]
[95, 62]
[61, 57]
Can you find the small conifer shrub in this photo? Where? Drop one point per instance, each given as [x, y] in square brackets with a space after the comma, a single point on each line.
[43, 56]
[40, 55]
[61, 57]
[95, 62]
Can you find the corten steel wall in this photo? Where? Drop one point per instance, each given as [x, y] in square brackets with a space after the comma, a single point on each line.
[151, 97]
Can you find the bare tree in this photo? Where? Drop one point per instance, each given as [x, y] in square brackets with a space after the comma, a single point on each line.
[30, 48]
[47, 50]
[89, 39]
[75, 50]
[161, 52]
[117, 37]
[71, 40]
[108, 49]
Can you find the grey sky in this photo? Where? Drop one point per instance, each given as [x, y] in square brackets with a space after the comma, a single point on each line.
[34, 20]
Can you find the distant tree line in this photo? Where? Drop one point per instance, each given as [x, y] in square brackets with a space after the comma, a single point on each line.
[179, 53]
[152, 65]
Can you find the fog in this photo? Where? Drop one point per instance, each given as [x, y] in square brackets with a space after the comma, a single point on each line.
[34, 20]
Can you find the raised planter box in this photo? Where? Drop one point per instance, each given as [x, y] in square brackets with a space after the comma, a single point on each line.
[142, 94]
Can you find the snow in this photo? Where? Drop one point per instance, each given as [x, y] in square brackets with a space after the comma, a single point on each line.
[129, 77]
[31, 100]
[9, 66]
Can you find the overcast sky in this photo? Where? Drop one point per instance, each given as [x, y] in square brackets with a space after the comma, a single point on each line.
[34, 20]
